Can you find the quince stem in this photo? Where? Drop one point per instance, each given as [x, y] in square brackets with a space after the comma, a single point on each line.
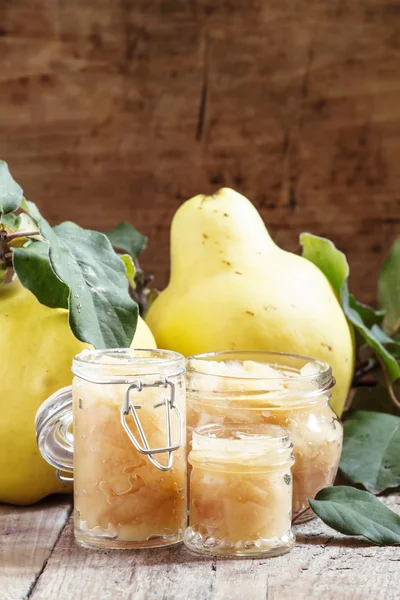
[5, 238]
[389, 385]
[21, 234]
[300, 514]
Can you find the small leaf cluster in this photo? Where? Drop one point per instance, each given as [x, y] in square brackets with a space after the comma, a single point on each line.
[371, 447]
[70, 267]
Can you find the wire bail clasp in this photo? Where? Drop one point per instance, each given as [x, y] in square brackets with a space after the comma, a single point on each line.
[169, 403]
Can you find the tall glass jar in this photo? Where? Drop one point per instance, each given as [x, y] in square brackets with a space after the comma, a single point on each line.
[127, 451]
[281, 389]
[240, 491]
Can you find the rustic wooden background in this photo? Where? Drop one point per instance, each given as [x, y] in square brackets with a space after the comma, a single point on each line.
[117, 110]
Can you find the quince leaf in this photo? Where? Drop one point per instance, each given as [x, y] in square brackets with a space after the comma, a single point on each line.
[32, 210]
[19, 223]
[334, 265]
[355, 512]
[369, 335]
[32, 265]
[125, 237]
[130, 269]
[101, 312]
[369, 315]
[151, 296]
[79, 265]
[389, 288]
[324, 254]
[371, 450]
[391, 344]
[10, 221]
[10, 191]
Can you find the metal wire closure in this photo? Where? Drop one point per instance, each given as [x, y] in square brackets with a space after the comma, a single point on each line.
[64, 478]
[170, 405]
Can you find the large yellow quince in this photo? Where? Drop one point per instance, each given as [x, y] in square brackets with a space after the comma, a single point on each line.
[233, 288]
[37, 347]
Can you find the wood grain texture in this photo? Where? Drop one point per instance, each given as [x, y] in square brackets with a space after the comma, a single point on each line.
[322, 565]
[27, 538]
[121, 110]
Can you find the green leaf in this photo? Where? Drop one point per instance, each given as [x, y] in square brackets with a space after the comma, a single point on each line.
[19, 223]
[354, 317]
[32, 210]
[130, 269]
[10, 191]
[324, 254]
[369, 315]
[371, 450]
[392, 345]
[101, 312]
[125, 237]
[151, 296]
[382, 336]
[32, 265]
[389, 288]
[26, 224]
[355, 512]
[10, 221]
[333, 264]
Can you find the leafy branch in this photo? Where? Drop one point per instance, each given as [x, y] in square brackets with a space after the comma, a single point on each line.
[128, 239]
[66, 267]
[354, 512]
[371, 447]
[379, 351]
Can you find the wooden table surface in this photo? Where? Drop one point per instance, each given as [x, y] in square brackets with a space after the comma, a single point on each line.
[40, 560]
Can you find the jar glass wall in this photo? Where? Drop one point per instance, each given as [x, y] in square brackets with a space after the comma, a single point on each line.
[240, 491]
[281, 389]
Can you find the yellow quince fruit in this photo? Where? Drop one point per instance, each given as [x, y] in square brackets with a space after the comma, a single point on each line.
[37, 348]
[233, 288]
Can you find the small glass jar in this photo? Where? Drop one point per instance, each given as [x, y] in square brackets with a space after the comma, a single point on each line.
[240, 491]
[281, 389]
[127, 452]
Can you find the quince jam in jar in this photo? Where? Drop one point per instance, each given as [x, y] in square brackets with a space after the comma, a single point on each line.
[240, 491]
[127, 408]
[272, 388]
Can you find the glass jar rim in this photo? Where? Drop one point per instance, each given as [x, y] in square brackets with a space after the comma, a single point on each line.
[255, 445]
[325, 370]
[251, 432]
[290, 387]
[123, 364]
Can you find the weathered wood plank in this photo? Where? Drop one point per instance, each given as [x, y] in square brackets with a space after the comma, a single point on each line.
[323, 564]
[121, 110]
[331, 566]
[27, 538]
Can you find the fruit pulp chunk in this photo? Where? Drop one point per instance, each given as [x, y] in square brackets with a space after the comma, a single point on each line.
[119, 494]
[240, 507]
[315, 431]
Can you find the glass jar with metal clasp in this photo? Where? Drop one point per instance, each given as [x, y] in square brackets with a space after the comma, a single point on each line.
[119, 433]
